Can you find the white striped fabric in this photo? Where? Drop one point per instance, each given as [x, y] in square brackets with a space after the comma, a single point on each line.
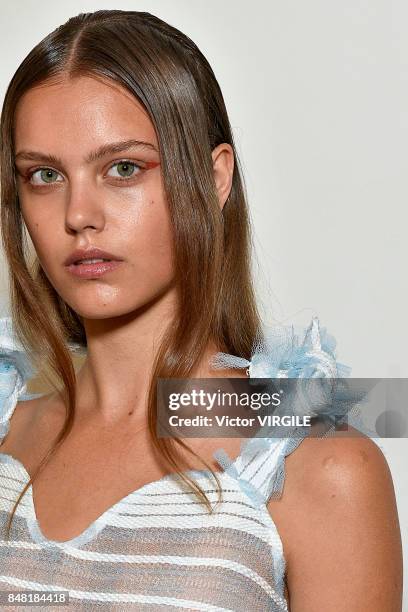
[156, 549]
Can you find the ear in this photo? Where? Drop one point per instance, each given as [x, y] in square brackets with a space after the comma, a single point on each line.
[223, 165]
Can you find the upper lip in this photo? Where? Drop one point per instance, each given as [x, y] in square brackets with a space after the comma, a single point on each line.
[90, 253]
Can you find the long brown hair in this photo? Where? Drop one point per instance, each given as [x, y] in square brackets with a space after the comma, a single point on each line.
[168, 74]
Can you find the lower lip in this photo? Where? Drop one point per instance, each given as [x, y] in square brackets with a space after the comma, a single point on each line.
[93, 270]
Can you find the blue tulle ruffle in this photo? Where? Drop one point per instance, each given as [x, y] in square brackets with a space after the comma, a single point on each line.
[285, 352]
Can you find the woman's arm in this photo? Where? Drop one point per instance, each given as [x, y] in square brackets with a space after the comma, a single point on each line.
[339, 526]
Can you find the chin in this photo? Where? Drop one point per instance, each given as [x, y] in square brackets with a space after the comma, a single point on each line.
[102, 311]
[96, 316]
[99, 301]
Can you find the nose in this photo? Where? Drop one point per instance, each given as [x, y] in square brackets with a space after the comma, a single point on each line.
[83, 208]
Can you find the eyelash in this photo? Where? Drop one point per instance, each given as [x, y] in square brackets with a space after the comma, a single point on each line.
[29, 174]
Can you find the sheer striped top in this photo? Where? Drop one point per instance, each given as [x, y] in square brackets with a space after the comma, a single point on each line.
[159, 548]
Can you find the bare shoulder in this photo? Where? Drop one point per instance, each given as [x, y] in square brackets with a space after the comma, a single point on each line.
[339, 526]
[346, 462]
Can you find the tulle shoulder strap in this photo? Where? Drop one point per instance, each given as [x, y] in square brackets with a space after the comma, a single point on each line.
[283, 352]
[15, 371]
[288, 351]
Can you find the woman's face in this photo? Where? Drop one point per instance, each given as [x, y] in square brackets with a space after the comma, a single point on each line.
[75, 195]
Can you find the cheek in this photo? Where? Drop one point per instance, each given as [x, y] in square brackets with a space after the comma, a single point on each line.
[44, 237]
[39, 224]
[150, 240]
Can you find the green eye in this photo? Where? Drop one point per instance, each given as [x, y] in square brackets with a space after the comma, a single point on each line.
[48, 175]
[42, 176]
[125, 168]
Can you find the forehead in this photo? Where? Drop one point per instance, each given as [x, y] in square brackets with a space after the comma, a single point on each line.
[68, 118]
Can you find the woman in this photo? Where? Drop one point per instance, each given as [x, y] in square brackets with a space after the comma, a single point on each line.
[118, 156]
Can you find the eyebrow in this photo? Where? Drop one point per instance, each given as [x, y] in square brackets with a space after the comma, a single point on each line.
[106, 149]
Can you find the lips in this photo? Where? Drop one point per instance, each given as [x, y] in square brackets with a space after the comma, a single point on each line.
[89, 261]
[79, 255]
[95, 270]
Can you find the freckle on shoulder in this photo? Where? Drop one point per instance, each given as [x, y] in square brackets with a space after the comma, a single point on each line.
[328, 461]
[345, 452]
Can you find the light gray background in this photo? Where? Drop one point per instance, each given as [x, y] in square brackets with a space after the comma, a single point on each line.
[317, 96]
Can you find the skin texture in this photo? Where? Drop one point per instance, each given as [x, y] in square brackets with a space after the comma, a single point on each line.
[339, 525]
[125, 311]
[337, 516]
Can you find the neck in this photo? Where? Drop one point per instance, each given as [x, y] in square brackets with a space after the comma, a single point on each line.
[113, 383]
